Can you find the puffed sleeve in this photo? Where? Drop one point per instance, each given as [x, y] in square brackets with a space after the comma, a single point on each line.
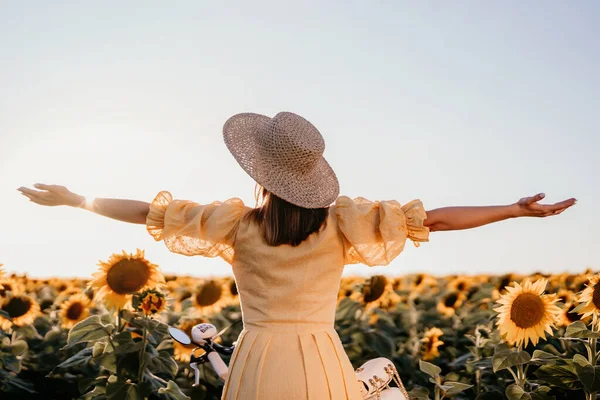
[374, 232]
[192, 229]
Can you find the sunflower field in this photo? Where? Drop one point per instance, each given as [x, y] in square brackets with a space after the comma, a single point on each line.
[460, 337]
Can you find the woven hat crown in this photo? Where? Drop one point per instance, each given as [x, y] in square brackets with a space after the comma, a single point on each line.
[290, 142]
[284, 154]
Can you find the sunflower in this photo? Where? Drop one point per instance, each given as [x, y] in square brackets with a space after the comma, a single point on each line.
[60, 285]
[122, 275]
[421, 283]
[569, 315]
[374, 288]
[565, 296]
[590, 300]
[431, 343]
[21, 309]
[176, 283]
[8, 287]
[460, 284]
[233, 289]
[182, 352]
[526, 314]
[448, 304]
[67, 294]
[349, 287]
[576, 283]
[211, 296]
[150, 302]
[378, 292]
[73, 310]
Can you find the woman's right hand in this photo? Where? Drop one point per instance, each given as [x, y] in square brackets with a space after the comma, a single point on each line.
[52, 195]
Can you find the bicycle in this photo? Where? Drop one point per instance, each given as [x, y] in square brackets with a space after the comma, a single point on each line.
[374, 376]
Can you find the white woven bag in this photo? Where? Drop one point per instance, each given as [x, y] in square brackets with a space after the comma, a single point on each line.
[375, 376]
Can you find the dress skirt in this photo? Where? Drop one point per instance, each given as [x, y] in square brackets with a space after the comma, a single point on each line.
[290, 361]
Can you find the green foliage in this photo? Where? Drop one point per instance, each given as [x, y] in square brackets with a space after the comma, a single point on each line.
[133, 357]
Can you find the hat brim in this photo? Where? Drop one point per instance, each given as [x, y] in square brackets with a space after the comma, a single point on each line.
[315, 188]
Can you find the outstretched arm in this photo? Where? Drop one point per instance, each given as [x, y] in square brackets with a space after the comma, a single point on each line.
[131, 211]
[456, 218]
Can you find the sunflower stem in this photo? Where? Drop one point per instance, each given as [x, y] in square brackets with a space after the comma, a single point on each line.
[520, 372]
[513, 374]
[143, 353]
[119, 320]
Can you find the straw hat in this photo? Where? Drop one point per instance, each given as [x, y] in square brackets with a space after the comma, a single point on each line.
[284, 154]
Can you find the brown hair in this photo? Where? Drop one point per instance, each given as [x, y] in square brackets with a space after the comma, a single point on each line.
[283, 222]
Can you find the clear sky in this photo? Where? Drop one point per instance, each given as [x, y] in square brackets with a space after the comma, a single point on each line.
[455, 103]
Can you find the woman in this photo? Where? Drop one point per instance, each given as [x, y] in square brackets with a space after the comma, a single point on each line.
[288, 254]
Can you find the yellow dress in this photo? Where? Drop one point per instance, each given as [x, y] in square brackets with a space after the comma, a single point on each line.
[288, 348]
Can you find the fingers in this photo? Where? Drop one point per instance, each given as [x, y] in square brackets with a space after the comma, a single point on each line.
[536, 198]
[555, 209]
[36, 196]
[28, 191]
[44, 187]
[563, 205]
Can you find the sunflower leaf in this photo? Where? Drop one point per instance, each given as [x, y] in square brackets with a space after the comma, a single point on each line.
[122, 390]
[79, 360]
[504, 357]
[455, 387]
[579, 307]
[156, 329]
[515, 392]
[87, 330]
[588, 374]
[541, 357]
[562, 376]
[163, 364]
[430, 369]
[347, 309]
[14, 384]
[108, 361]
[579, 330]
[419, 393]
[18, 347]
[173, 391]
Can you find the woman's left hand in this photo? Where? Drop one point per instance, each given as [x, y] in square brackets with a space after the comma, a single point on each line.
[529, 206]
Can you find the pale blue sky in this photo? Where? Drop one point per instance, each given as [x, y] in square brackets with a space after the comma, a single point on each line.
[461, 103]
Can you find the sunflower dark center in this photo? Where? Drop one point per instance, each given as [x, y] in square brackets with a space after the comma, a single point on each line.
[128, 276]
[419, 280]
[47, 303]
[527, 310]
[450, 300]
[233, 288]
[429, 344]
[505, 281]
[17, 306]
[6, 287]
[74, 311]
[185, 295]
[562, 298]
[462, 286]
[572, 316]
[596, 296]
[375, 288]
[208, 294]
